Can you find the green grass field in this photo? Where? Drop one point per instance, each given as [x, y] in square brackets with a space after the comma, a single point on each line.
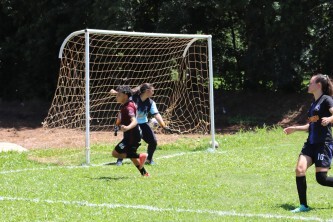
[249, 178]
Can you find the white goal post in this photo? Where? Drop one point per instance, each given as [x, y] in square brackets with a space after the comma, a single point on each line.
[180, 67]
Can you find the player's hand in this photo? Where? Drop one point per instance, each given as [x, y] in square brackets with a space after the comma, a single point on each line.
[289, 130]
[116, 128]
[112, 91]
[124, 128]
[325, 121]
[167, 130]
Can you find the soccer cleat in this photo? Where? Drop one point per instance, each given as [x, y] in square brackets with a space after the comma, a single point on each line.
[119, 162]
[146, 174]
[301, 208]
[150, 162]
[142, 158]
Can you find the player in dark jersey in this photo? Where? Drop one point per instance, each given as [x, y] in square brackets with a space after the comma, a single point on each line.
[127, 122]
[318, 147]
[145, 105]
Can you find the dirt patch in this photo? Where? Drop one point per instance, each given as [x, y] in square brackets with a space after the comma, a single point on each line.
[39, 138]
[20, 123]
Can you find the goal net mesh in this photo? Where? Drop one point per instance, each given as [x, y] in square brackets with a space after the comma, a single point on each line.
[177, 68]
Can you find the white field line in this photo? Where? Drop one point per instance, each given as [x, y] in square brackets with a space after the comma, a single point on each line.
[152, 208]
[42, 168]
[93, 165]
[144, 207]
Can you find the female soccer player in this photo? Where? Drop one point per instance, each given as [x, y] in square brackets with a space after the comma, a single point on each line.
[318, 147]
[127, 122]
[145, 105]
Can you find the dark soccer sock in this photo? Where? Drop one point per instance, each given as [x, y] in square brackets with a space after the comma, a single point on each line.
[301, 188]
[151, 149]
[323, 179]
[142, 171]
[132, 155]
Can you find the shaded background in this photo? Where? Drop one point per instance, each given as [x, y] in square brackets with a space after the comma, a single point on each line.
[258, 46]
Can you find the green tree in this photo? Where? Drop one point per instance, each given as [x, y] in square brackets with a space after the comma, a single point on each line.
[317, 56]
[257, 45]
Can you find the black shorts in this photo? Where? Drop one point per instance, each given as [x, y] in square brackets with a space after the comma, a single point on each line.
[320, 153]
[125, 147]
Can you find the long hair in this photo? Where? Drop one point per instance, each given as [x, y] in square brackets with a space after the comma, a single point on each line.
[145, 86]
[326, 84]
[142, 88]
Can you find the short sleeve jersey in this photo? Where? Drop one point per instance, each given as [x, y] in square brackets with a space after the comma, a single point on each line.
[127, 111]
[318, 110]
[144, 107]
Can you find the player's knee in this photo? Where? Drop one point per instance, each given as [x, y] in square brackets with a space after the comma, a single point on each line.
[321, 178]
[300, 171]
[115, 154]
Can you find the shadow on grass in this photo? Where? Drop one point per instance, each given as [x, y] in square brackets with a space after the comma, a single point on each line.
[115, 178]
[287, 207]
[115, 163]
[290, 207]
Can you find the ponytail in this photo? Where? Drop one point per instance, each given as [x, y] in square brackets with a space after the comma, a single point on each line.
[144, 87]
[326, 84]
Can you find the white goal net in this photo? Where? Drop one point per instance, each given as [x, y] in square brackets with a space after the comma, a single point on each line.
[178, 66]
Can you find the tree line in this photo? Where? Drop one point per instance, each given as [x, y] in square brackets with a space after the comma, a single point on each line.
[258, 45]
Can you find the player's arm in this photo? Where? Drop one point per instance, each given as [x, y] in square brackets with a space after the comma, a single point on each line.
[117, 125]
[133, 123]
[118, 120]
[157, 116]
[134, 90]
[292, 129]
[154, 111]
[327, 120]
[160, 120]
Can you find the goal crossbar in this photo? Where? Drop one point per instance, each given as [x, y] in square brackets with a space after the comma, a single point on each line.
[107, 32]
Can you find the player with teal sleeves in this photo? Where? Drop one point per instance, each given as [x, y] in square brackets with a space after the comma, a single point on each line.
[145, 105]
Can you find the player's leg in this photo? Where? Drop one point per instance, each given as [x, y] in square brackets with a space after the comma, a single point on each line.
[322, 178]
[138, 159]
[323, 163]
[119, 151]
[303, 163]
[119, 161]
[149, 137]
[141, 168]
[118, 155]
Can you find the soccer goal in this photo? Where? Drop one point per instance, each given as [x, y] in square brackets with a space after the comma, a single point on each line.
[95, 61]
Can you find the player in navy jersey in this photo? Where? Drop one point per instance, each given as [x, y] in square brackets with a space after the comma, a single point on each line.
[127, 122]
[318, 147]
[145, 105]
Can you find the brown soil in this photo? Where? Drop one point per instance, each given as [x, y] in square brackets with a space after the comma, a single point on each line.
[20, 123]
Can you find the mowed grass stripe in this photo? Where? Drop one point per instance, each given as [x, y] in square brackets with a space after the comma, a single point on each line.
[152, 208]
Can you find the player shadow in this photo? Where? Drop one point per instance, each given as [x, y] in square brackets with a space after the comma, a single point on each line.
[115, 178]
[115, 163]
[287, 207]
[290, 207]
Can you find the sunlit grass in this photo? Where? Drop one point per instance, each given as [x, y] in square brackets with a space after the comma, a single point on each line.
[249, 178]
